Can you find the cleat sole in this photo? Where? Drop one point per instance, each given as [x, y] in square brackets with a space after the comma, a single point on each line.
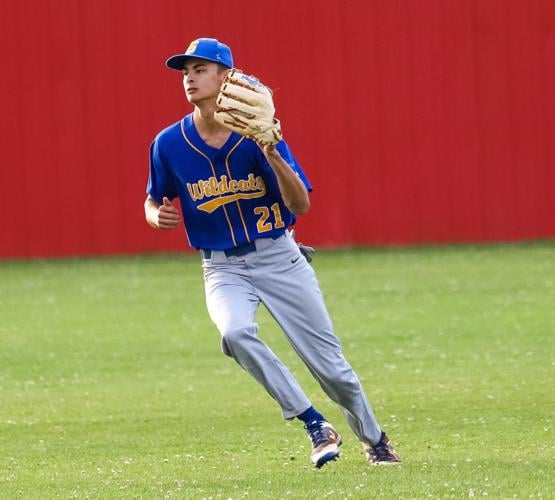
[328, 457]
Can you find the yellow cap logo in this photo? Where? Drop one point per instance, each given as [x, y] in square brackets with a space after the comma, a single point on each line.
[192, 47]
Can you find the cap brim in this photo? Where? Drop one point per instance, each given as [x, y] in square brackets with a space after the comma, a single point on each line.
[177, 62]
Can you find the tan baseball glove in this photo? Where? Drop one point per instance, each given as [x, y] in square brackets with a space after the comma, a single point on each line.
[246, 106]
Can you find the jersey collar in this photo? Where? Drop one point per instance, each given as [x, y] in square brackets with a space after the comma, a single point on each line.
[198, 142]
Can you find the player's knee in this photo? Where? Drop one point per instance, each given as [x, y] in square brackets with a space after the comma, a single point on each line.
[238, 338]
[342, 381]
[349, 380]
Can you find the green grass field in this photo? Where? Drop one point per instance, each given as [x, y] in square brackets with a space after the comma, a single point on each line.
[113, 385]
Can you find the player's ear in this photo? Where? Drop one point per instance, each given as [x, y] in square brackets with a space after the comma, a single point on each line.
[223, 70]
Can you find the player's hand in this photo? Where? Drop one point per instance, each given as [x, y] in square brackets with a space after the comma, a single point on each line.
[168, 215]
[269, 150]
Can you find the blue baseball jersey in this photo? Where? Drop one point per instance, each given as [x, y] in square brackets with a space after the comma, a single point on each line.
[229, 196]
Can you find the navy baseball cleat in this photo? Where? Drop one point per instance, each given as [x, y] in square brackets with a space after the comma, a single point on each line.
[325, 442]
[381, 453]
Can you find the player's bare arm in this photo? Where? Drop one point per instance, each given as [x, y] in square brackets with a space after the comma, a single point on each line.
[293, 191]
[245, 106]
[161, 215]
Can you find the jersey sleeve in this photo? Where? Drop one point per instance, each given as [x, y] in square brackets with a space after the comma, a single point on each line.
[289, 158]
[160, 180]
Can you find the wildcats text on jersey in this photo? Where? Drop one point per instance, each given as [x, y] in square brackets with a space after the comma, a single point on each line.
[226, 190]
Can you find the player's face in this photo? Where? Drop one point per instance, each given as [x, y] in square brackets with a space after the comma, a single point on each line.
[201, 80]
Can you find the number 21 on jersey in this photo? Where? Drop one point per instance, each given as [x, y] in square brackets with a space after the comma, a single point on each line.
[264, 223]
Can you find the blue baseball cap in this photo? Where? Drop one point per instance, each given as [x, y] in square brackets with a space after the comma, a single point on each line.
[209, 49]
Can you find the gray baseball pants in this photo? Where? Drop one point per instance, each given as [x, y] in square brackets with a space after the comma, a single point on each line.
[277, 275]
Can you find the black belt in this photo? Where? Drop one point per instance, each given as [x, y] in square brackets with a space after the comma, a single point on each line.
[240, 250]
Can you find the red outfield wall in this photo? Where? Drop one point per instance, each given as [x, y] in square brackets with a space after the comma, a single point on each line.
[417, 121]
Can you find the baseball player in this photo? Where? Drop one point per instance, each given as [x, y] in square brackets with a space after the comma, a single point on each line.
[240, 189]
